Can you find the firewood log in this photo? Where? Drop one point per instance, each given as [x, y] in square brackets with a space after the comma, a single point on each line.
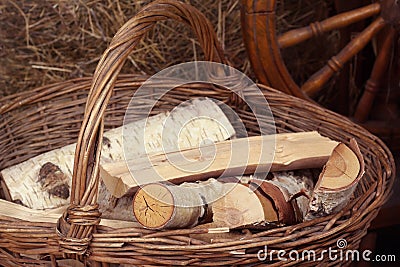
[160, 205]
[337, 181]
[289, 192]
[230, 205]
[43, 182]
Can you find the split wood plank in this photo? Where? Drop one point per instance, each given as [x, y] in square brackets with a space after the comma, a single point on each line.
[16, 211]
[288, 151]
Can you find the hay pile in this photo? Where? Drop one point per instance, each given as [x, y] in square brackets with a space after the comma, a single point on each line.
[48, 41]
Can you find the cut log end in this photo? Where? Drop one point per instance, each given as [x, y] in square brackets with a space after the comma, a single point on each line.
[284, 209]
[337, 181]
[153, 206]
[341, 169]
[289, 193]
[238, 207]
[270, 213]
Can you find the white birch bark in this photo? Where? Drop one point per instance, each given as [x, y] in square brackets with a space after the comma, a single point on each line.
[192, 124]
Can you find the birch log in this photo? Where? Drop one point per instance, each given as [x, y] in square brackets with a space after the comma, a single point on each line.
[228, 158]
[337, 181]
[188, 126]
[13, 210]
[159, 205]
[290, 193]
[230, 205]
[239, 206]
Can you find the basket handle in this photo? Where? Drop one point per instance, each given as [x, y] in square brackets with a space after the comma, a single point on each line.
[77, 223]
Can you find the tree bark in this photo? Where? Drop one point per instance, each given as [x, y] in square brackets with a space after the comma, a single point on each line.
[337, 181]
[188, 126]
[230, 205]
[157, 205]
[289, 192]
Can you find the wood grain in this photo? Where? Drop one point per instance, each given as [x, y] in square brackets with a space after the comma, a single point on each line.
[228, 158]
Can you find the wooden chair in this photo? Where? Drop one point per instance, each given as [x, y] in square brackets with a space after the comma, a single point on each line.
[264, 46]
[374, 110]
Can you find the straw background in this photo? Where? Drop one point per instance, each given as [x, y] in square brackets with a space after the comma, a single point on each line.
[49, 41]
[43, 42]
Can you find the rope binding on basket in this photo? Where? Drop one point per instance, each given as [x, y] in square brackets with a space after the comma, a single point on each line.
[86, 216]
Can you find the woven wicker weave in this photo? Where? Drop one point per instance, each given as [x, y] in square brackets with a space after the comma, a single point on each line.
[50, 117]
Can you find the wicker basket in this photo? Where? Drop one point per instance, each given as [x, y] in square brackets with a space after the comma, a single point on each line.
[50, 117]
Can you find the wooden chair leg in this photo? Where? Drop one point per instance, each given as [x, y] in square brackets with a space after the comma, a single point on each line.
[378, 73]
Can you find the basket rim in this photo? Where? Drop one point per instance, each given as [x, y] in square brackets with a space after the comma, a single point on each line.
[324, 229]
